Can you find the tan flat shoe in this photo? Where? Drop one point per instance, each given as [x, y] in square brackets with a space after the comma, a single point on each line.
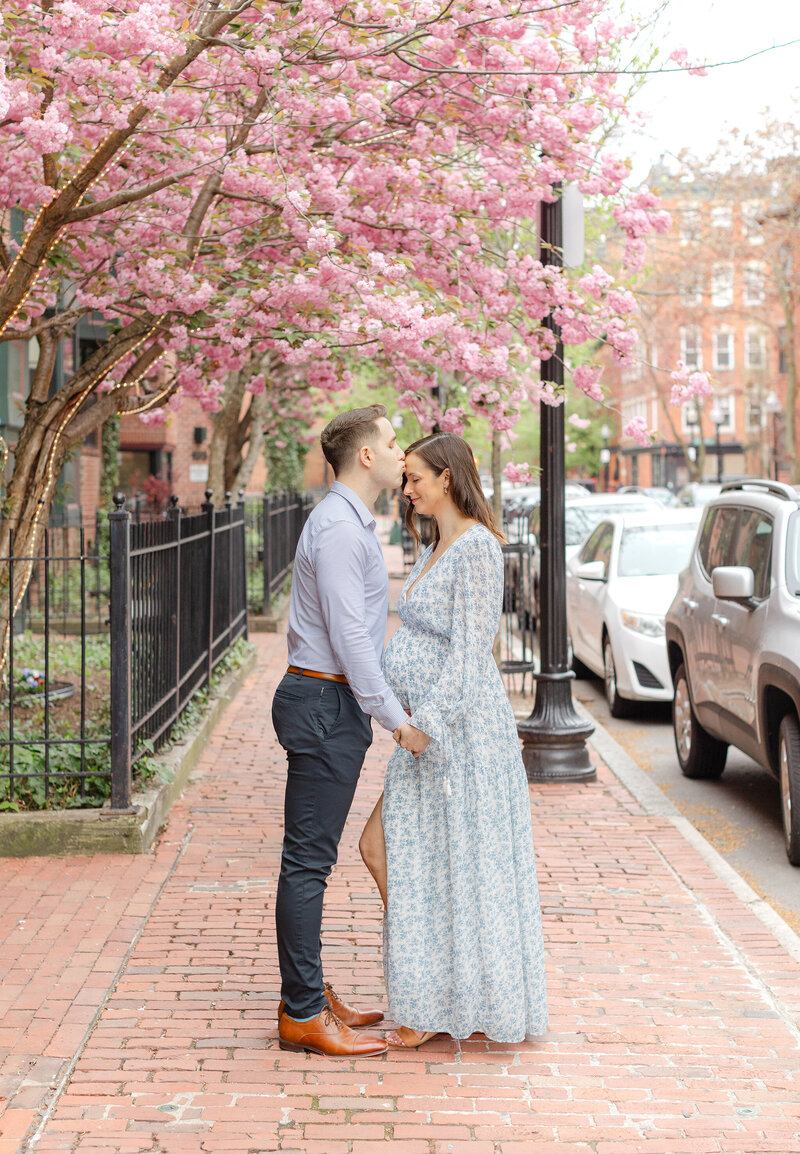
[415, 1038]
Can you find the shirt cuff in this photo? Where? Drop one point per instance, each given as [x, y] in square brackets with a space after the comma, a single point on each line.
[395, 717]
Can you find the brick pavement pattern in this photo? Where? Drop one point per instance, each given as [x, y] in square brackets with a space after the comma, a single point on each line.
[138, 995]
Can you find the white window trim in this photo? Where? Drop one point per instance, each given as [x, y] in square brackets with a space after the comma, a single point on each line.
[720, 368]
[754, 268]
[722, 285]
[729, 404]
[684, 333]
[762, 345]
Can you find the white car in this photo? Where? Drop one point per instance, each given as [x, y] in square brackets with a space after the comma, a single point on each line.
[620, 585]
[581, 514]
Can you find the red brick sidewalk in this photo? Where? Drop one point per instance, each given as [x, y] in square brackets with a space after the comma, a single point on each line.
[139, 994]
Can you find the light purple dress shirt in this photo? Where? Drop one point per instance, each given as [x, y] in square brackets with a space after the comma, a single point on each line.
[340, 600]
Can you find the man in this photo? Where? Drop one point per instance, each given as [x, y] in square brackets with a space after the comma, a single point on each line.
[321, 713]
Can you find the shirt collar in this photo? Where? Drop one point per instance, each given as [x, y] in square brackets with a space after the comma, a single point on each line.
[365, 515]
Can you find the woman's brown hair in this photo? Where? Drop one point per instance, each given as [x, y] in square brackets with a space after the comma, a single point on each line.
[442, 451]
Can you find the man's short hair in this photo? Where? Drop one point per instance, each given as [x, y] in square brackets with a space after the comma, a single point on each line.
[348, 432]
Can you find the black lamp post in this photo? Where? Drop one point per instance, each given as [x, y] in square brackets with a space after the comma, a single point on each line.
[718, 415]
[772, 404]
[554, 736]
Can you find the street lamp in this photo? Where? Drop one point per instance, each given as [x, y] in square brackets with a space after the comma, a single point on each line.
[692, 420]
[605, 455]
[718, 417]
[554, 736]
[773, 405]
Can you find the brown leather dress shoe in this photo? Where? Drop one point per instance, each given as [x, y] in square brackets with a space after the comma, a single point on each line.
[326, 1035]
[355, 1019]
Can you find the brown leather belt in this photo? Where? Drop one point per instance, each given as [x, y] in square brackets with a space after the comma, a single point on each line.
[322, 676]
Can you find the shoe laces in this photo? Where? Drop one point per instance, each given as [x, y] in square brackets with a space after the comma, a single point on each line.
[329, 1018]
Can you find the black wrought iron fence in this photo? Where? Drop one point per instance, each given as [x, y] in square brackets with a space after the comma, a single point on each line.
[174, 598]
[517, 662]
[54, 737]
[274, 524]
[178, 603]
[68, 580]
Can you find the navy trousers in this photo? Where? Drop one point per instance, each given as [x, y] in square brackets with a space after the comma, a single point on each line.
[326, 735]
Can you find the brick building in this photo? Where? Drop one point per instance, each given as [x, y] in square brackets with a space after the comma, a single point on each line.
[709, 297]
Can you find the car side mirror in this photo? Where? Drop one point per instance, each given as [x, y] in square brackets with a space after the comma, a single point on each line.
[733, 582]
[591, 571]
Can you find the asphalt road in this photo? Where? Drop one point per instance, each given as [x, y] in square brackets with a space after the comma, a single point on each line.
[739, 814]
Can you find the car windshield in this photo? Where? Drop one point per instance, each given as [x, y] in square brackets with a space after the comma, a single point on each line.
[580, 520]
[655, 550]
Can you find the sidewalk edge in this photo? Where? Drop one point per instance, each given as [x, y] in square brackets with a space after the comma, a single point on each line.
[654, 802]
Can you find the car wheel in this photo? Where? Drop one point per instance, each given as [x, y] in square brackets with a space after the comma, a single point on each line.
[574, 663]
[618, 706]
[789, 777]
[699, 754]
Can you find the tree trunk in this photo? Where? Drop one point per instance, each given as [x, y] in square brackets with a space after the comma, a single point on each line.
[51, 430]
[255, 443]
[225, 425]
[497, 477]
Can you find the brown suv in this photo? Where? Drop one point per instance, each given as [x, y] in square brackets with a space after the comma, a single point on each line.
[733, 640]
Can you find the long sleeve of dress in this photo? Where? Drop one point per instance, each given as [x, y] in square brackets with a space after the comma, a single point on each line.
[477, 604]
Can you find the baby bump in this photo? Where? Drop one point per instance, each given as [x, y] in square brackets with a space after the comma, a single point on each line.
[412, 662]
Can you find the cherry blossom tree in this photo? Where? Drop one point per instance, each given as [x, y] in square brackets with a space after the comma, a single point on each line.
[318, 183]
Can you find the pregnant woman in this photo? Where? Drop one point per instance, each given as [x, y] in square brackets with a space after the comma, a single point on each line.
[450, 843]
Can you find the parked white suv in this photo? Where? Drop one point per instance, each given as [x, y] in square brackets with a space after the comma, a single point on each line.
[733, 640]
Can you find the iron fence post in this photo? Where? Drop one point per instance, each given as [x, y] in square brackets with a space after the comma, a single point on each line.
[267, 539]
[229, 508]
[120, 647]
[174, 516]
[243, 532]
[208, 509]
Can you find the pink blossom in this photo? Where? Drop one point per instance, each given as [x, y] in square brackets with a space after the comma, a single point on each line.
[518, 472]
[452, 421]
[578, 422]
[636, 427]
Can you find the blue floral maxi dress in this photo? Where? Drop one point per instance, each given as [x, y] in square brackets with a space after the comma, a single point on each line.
[463, 948]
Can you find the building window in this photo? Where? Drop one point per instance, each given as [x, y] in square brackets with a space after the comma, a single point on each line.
[755, 344]
[722, 284]
[690, 419]
[634, 407]
[782, 359]
[752, 211]
[690, 227]
[721, 216]
[726, 404]
[754, 283]
[753, 414]
[723, 349]
[691, 347]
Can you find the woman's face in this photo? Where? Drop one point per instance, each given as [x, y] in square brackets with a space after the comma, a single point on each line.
[422, 487]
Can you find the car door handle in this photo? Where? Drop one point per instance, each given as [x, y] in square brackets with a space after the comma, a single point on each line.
[690, 604]
[719, 620]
